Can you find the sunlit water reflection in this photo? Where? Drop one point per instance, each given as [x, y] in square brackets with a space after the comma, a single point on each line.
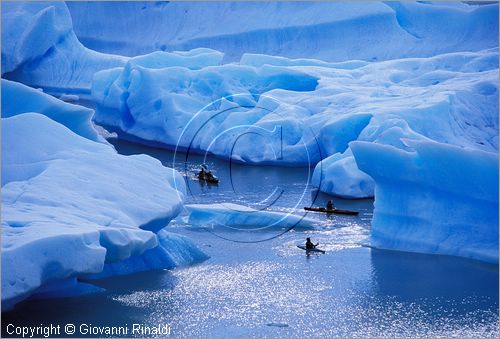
[273, 289]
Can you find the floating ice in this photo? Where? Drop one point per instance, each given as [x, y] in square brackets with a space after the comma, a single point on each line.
[18, 98]
[216, 108]
[422, 126]
[70, 205]
[299, 115]
[238, 217]
[436, 198]
[339, 175]
[172, 251]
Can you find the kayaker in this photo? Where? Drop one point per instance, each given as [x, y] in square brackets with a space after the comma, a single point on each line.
[206, 175]
[204, 172]
[310, 245]
[329, 205]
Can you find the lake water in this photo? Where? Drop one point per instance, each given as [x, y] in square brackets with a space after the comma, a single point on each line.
[259, 284]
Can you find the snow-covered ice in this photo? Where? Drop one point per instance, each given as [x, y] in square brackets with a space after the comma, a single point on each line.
[71, 205]
[238, 217]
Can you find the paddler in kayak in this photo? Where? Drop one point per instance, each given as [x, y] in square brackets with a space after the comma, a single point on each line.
[310, 245]
[203, 172]
[329, 205]
[206, 175]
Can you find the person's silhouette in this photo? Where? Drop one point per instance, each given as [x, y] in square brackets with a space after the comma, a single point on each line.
[310, 245]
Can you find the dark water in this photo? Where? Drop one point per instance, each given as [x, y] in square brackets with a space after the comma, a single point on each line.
[271, 288]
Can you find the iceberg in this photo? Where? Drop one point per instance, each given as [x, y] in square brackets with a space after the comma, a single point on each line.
[18, 98]
[436, 198]
[173, 251]
[304, 115]
[219, 109]
[381, 97]
[339, 175]
[238, 217]
[40, 49]
[290, 108]
[458, 107]
[71, 206]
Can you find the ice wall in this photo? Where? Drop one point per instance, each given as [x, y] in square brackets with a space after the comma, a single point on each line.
[330, 31]
[434, 198]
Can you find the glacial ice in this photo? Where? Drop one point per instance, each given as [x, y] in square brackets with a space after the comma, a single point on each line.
[439, 86]
[435, 198]
[340, 176]
[384, 98]
[206, 109]
[40, 49]
[18, 98]
[173, 250]
[238, 217]
[299, 115]
[71, 205]
[329, 31]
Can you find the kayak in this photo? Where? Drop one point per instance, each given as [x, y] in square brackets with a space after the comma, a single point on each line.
[335, 210]
[302, 247]
[210, 179]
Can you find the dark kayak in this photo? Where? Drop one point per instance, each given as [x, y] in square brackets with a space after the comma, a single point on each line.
[335, 210]
[211, 179]
[302, 247]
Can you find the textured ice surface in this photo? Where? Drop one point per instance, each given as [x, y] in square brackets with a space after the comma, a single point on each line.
[172, 251]
[299, 115]
[435, 198]
[18, 98]
[239, 217]
[304, 84]
[216, 108]
[70, 205]
[330, 31]
[40, 49]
